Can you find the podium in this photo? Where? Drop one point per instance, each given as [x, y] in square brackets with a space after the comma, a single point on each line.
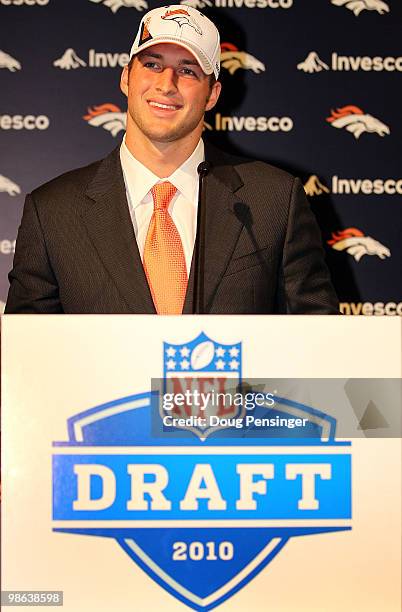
[105, 501]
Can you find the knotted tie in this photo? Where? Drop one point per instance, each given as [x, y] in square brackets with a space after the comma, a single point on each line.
[164, 261]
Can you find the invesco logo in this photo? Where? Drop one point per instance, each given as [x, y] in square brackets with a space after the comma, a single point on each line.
[21, 2]
[274, 4]
[250, 124]
[24, 122]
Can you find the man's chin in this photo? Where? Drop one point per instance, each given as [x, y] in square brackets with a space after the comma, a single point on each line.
[163, 138]
[166, 136]
[163, 133]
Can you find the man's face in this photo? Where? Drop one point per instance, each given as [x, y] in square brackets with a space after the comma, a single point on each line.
[167, 93]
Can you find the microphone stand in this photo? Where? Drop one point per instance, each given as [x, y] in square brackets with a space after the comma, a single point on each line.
[199, 255]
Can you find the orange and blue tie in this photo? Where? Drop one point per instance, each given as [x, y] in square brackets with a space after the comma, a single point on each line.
[164, 261]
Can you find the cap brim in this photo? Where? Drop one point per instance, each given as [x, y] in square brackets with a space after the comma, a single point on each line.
[205, 65]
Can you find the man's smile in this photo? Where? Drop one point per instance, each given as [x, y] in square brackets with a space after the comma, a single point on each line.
[163, 106]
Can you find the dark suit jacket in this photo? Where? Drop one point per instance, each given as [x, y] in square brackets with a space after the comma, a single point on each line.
[76, 251]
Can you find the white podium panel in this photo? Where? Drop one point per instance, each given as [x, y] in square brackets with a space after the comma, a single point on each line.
[121, 514]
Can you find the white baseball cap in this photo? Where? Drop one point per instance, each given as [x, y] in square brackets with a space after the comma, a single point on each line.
[185, 26]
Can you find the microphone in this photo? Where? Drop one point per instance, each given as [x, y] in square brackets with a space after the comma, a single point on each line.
[203, 168]
[199, 255]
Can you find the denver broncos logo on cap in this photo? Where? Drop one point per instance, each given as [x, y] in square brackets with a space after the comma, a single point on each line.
[108, 116]
[182, 18]
[354, 120]
[353, 241]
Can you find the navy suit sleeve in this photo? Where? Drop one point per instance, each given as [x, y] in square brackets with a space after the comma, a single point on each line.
[33, 286]
[305, 281]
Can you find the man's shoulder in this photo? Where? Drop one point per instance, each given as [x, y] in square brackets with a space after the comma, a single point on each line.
[251, 170]
[262, 172]
[71, 185]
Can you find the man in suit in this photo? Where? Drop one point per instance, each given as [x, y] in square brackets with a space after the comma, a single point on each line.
[118, 236]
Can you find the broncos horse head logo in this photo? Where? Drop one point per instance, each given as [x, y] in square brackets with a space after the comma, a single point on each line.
[232, 59]
[6, 61]
[354, 120]
[108, 116]
[115, 5]
[357, 6]
[9, 186]
[198, 4]
[354, 242]
[182, 18]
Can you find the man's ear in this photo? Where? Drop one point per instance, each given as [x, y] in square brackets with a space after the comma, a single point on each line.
[124, 81]
[214, 95]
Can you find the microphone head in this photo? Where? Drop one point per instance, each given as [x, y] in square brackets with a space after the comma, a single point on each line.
[203, 168]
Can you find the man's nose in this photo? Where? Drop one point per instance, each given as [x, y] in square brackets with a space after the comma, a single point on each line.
[166, 82]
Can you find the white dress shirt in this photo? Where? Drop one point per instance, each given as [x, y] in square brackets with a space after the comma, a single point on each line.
[139, 181]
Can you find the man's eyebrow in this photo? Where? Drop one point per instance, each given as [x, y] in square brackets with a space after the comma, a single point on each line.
[150, 54]
[187, 62]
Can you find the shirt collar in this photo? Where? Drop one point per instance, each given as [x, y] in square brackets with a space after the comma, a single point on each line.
[185, 177]
[140, 180]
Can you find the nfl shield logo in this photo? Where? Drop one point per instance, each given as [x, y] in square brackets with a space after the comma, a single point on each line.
[206, 374]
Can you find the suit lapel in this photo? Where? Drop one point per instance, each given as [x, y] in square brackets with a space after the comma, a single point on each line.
[110, 229]
[223, 224]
